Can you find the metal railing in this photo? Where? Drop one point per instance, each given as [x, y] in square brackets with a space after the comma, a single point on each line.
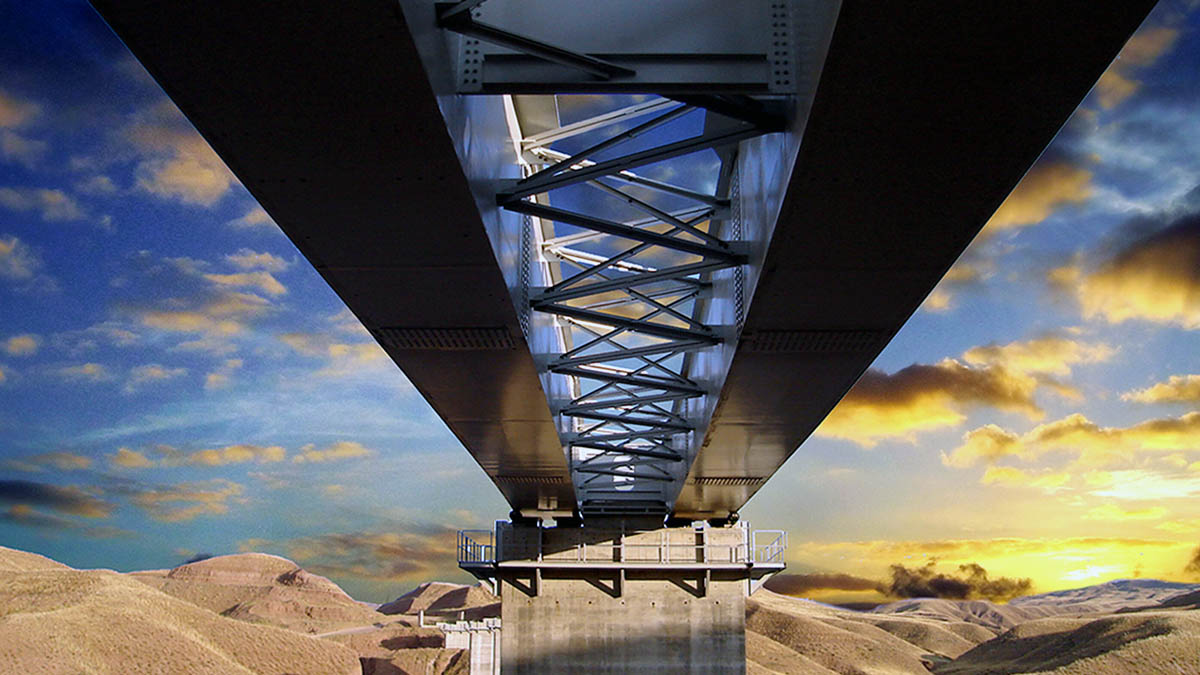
[472, 549]
[757, 547]
[773, 550]
[662, 552]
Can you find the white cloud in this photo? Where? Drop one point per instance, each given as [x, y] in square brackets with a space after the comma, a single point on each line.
[22, 345]
[15, 112]
[246, 259]
[263, 281]
[342, 358]
[221, 377]
[1177, 389]
[53, 205]
[21, 150]
[1051, 355]
[186, 501]
[130, 459]
[177, 162]
[20, 263]
[337, 451]
[97, 185]
[86, 372]
[151, 372]
[17, 260]
[255, 218]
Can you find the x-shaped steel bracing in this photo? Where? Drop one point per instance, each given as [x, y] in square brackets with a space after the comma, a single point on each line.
[630, 295]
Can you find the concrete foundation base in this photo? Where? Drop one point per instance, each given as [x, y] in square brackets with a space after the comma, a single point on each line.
[591, 600]
[591, 622]
[481, 639]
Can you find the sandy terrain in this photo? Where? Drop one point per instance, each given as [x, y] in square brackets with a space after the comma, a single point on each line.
[401, 648]
[1072, 631]
[54, 619]
[989, 615]
[264, 589]
[1151, 642]
[12, 560]
[791, 635]
[1182, 602]
[442, 599]
[229, 615]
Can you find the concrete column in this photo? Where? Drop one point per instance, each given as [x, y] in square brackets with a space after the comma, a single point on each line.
[667, 600]
[482, 641]
[577, 624]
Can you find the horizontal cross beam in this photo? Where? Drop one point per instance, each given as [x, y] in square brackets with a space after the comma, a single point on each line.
[644, 327]
[677, 273]
[622, 419]
[621, 402]
[630, 380]
[618, 229]
[624, 474]
[451, 16]
[684, 147]
[631, 353]
[621, 450]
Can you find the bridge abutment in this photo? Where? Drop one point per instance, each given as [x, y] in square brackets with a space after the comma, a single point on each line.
[592, 600]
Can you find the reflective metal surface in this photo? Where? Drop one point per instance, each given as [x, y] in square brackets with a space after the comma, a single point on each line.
[344, 121]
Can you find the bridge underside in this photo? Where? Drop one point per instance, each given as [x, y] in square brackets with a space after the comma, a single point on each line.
[434, 215]
[908, 125]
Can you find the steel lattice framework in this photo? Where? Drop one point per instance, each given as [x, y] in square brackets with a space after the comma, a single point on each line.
[632, 297]
[628, 212]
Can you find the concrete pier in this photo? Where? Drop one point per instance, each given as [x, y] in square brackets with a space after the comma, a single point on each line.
[591, 600]
[481, 639]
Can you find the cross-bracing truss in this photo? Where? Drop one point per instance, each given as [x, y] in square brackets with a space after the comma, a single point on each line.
[631, 212]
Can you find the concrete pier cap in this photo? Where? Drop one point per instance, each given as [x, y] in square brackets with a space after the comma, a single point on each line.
[617, 595]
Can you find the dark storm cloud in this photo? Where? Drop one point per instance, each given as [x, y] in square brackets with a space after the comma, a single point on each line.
[27, 516]
[23, 514]
[971, 581]
[926, 396]
[70, 500]
[1154, 277]
[800, 584]
[1193, 566]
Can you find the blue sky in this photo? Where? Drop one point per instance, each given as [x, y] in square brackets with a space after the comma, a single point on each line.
[175, 378]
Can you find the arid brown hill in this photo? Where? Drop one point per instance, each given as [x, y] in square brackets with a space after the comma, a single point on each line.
[54, 619]
[261, 588]
[435, 597]
[1151, 642]
[792, 635]
[995, 617]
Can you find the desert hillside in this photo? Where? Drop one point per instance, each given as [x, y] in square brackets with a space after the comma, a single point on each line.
[792, 635]
[1153, 642]
[992, 616]
[246, 613]
[255, 613]
[265, 589]
[12, 560]
[1078, 631]
[54, 619]
[439, 598]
